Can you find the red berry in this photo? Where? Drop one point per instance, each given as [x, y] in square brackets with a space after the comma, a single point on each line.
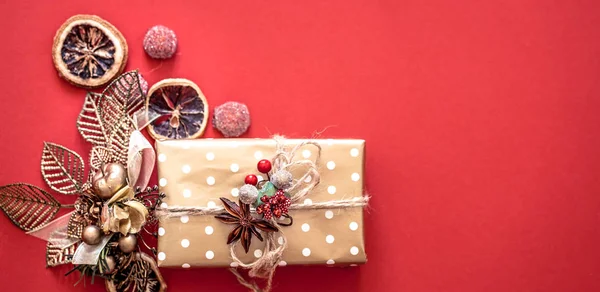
[267, 207]
[277, 212]
[279, 193]
[264, 166]
[264, 198]
[273, 200]
[251, 179]
[259, 210]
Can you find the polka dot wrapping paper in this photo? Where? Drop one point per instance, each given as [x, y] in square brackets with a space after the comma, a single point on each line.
[195, 173]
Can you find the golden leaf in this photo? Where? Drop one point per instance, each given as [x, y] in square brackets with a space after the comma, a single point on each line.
[28, 206]
[62, 169]
[59, 256]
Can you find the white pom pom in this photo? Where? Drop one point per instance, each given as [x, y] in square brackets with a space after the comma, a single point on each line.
[248, 194]
[282, 179]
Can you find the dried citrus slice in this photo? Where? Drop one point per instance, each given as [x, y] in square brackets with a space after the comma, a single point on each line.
[88, 51]
[182, 108]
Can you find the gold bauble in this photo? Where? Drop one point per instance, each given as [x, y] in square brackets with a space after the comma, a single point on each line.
[91, 235]
[128, 243]
[109, 179]
[111, 263]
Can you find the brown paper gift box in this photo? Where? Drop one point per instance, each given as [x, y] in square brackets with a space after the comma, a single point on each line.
[198, 172]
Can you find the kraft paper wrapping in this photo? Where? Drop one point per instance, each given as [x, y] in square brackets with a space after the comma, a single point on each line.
[198, 172]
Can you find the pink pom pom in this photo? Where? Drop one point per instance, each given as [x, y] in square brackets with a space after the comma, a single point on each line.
[160, 42]
[232, 119]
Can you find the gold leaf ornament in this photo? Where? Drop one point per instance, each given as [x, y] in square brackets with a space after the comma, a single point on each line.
[28, 206]
[106, 119]
[56, 255]
[62, 169]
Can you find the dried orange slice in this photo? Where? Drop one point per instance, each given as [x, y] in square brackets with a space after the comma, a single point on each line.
[182, 108]
[88, 51]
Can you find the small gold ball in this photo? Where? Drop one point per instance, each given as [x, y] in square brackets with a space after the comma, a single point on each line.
[91, 235]
[109, 179]
[128, 243]
[111, 263]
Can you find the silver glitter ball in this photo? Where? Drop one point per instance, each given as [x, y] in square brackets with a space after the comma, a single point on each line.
[282, 179]
[248, 194]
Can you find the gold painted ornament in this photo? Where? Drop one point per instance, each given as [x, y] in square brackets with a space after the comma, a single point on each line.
[92, 235]
[109, 179]
[128, 243]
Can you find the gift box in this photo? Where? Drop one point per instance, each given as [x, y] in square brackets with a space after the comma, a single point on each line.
[198, 172]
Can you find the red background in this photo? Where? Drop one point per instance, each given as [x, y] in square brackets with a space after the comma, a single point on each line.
[481, 120]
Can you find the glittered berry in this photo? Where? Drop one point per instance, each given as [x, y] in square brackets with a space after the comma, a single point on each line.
[264, 199]
[251, 179]
[282, 179]
[160, 42]
[277, 212]
[280, 193]
[248, 194]
[264, 166]
[232, 119]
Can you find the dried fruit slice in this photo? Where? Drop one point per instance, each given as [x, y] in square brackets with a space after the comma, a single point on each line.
[88, 51]
[182, 106]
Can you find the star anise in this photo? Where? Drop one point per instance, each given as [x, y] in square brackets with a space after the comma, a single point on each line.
[246, 224]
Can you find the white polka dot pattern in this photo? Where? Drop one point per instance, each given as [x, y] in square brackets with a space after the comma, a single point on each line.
[282, 263]
[355, 177]
[234, 167]
[185, 243]
[328, 214]
[210, 156]
[186, 169]
[331, 190]
[210, 180]
[210, 254]
[330, 262]
[331, 165]
[306, 153]
[258, 253]
[185, 266]
[162, 256]
[209, 230]
[162, 157]
[306, 252]
[329, 239]
[184, 219]
[161, 231]
[354, 250]
[353, 226]
[162, 182]
[211, 204]
[305, 227]
[235, 192]
[354, 152]
[307, 202]
[258, 155]
[187, 193]
[234, 265]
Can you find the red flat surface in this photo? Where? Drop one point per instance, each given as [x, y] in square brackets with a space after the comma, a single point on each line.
[481, 120]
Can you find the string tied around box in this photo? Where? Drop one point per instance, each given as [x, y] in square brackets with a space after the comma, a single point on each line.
[272, 199]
